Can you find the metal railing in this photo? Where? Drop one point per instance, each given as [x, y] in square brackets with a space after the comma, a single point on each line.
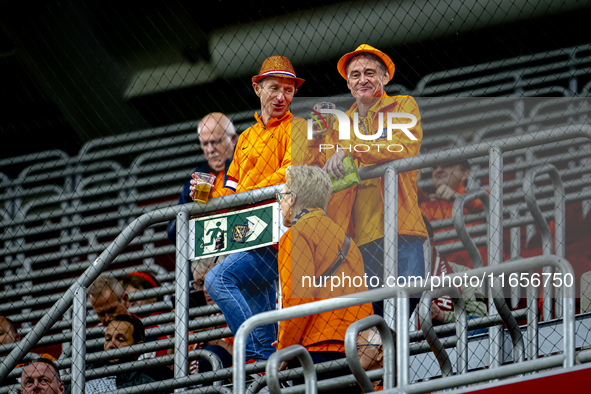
[566, 359]
[389, 170]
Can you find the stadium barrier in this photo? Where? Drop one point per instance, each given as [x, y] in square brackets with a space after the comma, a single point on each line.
[400, 294]
[417, 162]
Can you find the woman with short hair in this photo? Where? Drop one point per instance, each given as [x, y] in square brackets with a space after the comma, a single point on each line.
[307, 251]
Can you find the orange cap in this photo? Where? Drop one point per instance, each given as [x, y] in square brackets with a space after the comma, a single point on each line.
[341, 66]
[277, 66]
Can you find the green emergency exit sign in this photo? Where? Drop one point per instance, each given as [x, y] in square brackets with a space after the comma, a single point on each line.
[235, 231]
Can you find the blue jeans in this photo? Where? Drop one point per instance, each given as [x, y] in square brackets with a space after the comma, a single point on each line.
[411, 262]
[243, 285]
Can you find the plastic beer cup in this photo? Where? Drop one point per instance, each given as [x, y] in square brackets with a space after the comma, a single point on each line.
[203, 187]
[319, 126]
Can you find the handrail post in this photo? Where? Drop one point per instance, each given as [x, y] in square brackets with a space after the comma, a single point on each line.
[272, 369]
[403, 353]
[353, 356]
[390, 240]
[460, 225]
[495, 244]
[559, 233]
[509, 320]
[181, 338]
[79, 341]
[461, 329]
[515, 253]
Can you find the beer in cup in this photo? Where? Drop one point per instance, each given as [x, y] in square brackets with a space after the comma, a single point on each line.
[322, 121]
[203, 187]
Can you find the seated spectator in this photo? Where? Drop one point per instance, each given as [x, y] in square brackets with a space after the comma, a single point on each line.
[135, 281]
[217, 137]
[123, 331]
[315, 242]
[9, 334]
[221, 347]
[449, 181]
[41, 376]
[442, 310]
[108, 298]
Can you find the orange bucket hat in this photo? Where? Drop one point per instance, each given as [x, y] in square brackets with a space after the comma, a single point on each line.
[341, 66]
[277, 66]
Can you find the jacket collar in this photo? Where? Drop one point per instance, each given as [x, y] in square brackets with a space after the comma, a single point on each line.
[273, 122]
[307, 213]
[374, 108]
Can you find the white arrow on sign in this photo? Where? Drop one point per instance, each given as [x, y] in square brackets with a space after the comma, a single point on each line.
[256, 226]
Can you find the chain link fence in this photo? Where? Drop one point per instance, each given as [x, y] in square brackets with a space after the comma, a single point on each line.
[104, 117]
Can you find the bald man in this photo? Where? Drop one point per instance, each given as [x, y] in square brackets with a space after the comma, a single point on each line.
[217, 137]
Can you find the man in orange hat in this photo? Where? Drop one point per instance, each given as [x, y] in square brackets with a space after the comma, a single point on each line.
[244, 283]
[367, 70]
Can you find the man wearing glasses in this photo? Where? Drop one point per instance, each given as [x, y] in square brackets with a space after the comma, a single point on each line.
[217, 137]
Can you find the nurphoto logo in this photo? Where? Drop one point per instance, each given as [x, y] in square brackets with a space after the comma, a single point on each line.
[317, 120]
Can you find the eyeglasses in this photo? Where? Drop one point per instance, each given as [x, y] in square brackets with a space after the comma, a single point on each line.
[279, 196]
[213, 143]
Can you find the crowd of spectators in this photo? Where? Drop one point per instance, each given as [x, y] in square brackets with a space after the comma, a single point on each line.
[328, 233]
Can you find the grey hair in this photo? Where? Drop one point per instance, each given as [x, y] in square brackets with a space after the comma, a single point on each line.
[106, 281]
[206, 263]
[370, 56]
[218, 116]
[311, 184]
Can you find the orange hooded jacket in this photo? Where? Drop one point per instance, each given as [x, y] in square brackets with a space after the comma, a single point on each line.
[360, 209]
[306, 251]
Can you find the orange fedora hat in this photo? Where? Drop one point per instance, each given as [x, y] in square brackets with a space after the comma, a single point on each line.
[368, 49]
[277, 66]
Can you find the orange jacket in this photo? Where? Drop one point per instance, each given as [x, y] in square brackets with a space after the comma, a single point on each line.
[440, 209]
[312, 245]
[218, 187]
[308, 152]
[369, 221]
[355, 209]
[262, 155]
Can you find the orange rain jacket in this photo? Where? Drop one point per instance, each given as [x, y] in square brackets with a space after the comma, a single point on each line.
[307, 249]
[356, 209]
[369, 221]
[262, 155]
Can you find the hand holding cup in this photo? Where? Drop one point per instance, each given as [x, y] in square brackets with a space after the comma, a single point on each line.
[201, 186]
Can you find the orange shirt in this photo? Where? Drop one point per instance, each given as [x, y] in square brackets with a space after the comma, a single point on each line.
[440, 209]
[262, 154]
[218, 186]
[312, 245]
